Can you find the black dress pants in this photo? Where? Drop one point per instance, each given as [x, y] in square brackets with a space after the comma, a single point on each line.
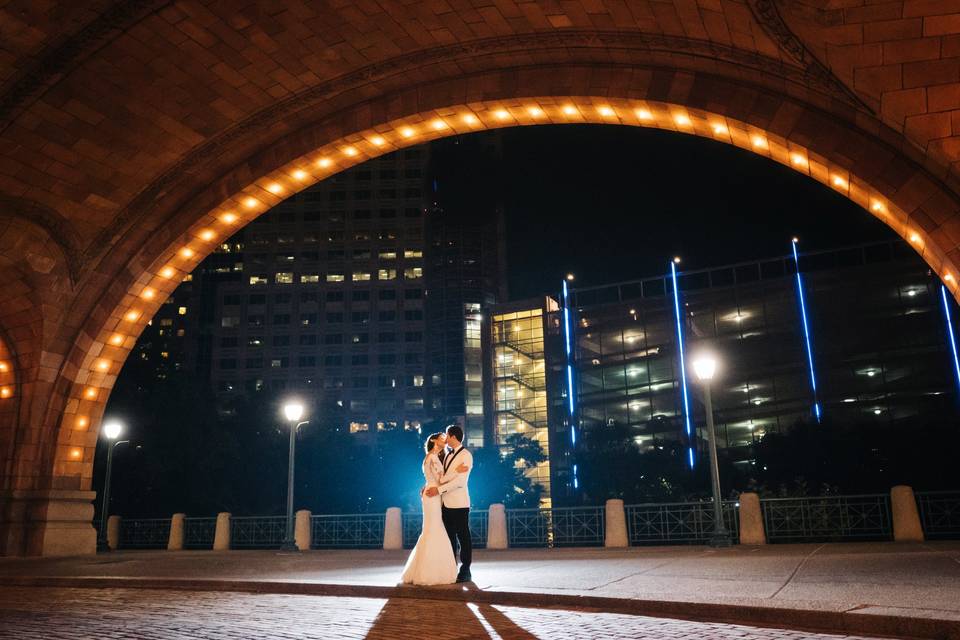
[457, 524]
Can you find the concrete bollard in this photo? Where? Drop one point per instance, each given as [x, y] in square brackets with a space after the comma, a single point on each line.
[751, 520]
[175, 542]
[393, 529]
[221, 538]
[906, 518]
[113, 532]
[497, 527]
[301, 530]
[616, 524]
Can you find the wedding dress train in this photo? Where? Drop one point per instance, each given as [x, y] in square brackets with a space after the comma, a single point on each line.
[431, 561]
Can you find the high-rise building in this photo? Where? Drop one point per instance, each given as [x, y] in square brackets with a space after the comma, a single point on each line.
[362, 293]
[464, 272]
[329, 301]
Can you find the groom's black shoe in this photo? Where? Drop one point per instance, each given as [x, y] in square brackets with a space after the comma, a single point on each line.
[464, 577]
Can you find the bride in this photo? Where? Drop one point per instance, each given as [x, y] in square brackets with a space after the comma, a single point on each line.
[431, 562]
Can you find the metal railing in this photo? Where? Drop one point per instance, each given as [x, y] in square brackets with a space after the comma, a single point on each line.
[257, 532]
[198, 533]
[827, 518]
[678, 522]
[347, 531]
[556, 527]
[144, 533]
[413, 523]
[939, 513]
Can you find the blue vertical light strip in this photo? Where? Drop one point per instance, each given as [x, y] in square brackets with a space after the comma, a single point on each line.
[683, 365]
[953, 340]
[568, 344]
[806, 332]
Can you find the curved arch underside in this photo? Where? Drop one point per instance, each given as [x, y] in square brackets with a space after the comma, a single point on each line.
[145, 135]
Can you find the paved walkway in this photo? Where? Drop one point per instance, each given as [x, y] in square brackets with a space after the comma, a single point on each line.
[787, 585]
[72, 614]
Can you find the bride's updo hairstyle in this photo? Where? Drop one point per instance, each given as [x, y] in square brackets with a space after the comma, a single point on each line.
[428, 445]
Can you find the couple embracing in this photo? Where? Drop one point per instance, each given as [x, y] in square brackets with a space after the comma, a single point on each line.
[446, 513]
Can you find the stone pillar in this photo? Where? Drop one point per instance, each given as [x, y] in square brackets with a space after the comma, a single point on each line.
[393, 529]
[302, 531]
[616, 525]
[175, 543]
[113, 532]
[906, 517]
[497, 527]
[53, 522]
[221, 538]
[751, 520]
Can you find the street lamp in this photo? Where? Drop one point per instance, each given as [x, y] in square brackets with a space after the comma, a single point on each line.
[705, 367]
[112, 431]
[293, 411]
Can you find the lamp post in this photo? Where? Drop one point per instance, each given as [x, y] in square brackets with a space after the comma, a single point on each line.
[705, 366]
[293, 411]
[111, 430]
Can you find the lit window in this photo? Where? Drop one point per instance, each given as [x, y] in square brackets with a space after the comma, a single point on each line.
[412, 253]
[360, 276]
[413, 273]
[418, 381]
[313, 277]
[188, 277]
[356, 427]
[284, 277]
[182, 311]
[334, 277]
[388, 255]
[387, 274]
[255, 280]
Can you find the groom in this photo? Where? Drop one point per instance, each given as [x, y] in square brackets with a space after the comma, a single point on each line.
[456, 498]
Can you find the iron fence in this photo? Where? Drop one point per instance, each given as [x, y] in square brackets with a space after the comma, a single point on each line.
[347, 531]
[679, 522]
[198, 533]
[413, 524]
[144, 533]
[556, 527]
[257, 532]
[827, 518]
[939, 513]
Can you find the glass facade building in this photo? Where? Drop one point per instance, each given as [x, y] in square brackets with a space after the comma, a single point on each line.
[521, 336]
[880, 352]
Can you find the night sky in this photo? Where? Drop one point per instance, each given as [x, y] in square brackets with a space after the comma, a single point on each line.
[613, 203]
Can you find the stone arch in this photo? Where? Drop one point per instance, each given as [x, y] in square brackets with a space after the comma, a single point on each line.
[144, 126]
[794, 135]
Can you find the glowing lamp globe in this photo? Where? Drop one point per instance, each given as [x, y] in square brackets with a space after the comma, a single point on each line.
[112, 429]
[705, 366]
[293, 411]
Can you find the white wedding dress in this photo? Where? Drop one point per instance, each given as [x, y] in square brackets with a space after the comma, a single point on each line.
[431, 561]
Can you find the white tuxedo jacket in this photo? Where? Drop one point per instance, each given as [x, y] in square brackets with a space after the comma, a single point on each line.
[453, 487]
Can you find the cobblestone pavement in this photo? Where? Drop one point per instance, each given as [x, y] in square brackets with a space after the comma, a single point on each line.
[74, 614]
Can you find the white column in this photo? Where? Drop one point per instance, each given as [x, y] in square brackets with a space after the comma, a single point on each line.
[906, 517]
[175, 542]
[497, 527]
[113, 532]
[221, 539]
[302, 531]
[616, 524]
[393, 529]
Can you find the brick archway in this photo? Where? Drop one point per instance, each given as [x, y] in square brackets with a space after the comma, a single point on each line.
[114, 219]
